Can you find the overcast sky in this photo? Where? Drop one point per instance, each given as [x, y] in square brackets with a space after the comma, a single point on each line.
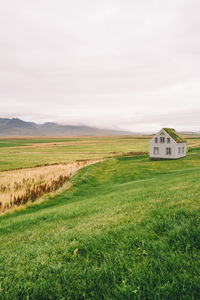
[129, 64]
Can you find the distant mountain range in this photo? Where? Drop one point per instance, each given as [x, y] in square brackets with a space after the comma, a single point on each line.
[17, 127]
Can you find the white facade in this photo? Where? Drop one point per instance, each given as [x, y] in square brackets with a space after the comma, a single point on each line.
[163, 146]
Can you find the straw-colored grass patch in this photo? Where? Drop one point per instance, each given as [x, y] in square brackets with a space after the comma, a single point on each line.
[17, 187]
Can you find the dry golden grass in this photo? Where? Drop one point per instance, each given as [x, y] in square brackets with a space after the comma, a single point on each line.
[17, 187]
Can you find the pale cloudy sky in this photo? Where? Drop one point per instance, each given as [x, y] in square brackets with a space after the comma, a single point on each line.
[130, 64]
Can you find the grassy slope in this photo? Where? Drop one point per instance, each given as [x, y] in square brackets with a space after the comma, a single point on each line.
[128, 229]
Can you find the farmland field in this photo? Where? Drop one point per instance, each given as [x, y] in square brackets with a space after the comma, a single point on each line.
[26, 152]
[128, 228]
[19, 153]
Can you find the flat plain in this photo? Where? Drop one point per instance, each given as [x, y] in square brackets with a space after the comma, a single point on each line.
[29, 152]
[128, 228]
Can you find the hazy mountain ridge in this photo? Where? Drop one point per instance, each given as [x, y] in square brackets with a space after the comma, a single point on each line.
[17, 127]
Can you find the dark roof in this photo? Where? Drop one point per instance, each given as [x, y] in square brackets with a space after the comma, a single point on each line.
[175, 135]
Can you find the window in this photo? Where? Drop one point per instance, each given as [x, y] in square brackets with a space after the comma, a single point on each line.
[168, 151]
[156, 150]
[179, 150]
[183, 150]
[168, 140]
[156, 140]
[162, 139]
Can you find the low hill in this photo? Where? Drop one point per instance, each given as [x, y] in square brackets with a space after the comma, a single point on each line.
[17, 127]
[128, 228]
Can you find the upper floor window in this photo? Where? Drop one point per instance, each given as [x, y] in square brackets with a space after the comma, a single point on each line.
[168, 140]
[156, 150]
[162, 139]
[168, 151]
[156, 140]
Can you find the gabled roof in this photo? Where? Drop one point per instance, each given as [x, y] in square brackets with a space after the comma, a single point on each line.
[175, 135]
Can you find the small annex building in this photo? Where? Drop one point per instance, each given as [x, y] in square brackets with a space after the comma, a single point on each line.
[167, 144]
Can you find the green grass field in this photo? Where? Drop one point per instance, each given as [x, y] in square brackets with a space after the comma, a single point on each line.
[128, 228]
[26, 152]
[19, 153]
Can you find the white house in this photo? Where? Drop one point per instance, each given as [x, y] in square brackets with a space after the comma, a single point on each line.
[167, 144]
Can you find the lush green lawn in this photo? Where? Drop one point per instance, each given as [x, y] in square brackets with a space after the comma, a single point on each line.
[129, 228]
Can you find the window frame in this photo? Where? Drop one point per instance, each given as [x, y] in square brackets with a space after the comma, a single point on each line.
[168, 151]
[162, 139]
[156, 150]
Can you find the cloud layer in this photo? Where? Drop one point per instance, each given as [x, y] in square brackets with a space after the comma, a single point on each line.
[111, 63]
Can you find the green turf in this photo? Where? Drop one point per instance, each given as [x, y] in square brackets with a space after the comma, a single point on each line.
[129, 228]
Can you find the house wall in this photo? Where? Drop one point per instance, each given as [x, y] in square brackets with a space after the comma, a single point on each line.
[181, 145]
[162, 147]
